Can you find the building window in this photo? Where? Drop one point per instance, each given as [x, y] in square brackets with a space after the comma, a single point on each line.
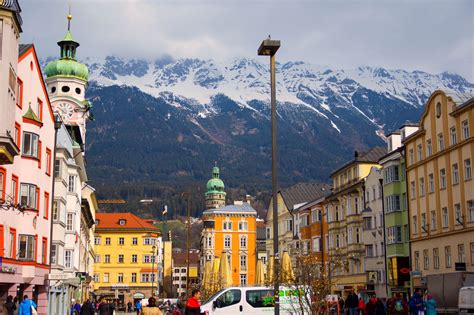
[423, 223]
[54, 254]
[268, 233]
[413, 190]
[97, 259]
[445, 218]
[135, 241]
[442, 178]
[96, 277]
[243, 241]
[56, 206]
[97, 240]
[57, 168]
[422, 186]
[461, 255]
[467, 169]
[417, 260]
[243, 226]
[48, 161]
[106, 277]
[458, 214]
[70, 222]
[227, 241]
[243, 279]
[134, 277]
[429, 148]
[472, 254]
[438, 110]
[465, 130]
[431, 183]
[369, 250]
[68, 259]
[367, 223]
[122, 222]
[433, 220]
[419, 150]
[452, 134]
[243, 262]
[120, 278]
[120, 259]
[440, 142]
[447, 256]
[455, 173]
[227, 225]
[134, 258]
[426, 260]
[415, 225]
[435, 258]
[107, 259]
[3, 179]
[14, 189]
[30, 144]
[46, 205]
[71, 184]
[317, 244]
[121, 241]
[44, 251]
[394, 234]
[392, 203]
[470, 210]
[28, 195]
[411, 156]
[107, 241]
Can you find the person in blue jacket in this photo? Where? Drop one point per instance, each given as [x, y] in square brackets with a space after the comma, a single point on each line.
[25, 306]
[416, 302]
[430, 305]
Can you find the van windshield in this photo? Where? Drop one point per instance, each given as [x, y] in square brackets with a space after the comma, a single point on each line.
[214, 296]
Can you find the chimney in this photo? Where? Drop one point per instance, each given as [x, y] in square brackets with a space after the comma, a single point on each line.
[356, 154]
[248, 198]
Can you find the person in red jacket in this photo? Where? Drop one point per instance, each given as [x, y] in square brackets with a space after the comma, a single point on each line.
[193, 305]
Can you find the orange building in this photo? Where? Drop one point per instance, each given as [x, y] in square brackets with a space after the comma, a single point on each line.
[231, 229]
[314, 229]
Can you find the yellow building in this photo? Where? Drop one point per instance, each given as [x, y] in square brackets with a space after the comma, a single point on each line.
[231, 229]
[343, 208]
[441, 191]
[127, 251]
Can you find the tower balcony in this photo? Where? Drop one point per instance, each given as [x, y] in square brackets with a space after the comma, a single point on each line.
[8, 149]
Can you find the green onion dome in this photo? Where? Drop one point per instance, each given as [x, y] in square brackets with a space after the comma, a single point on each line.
[67, 68]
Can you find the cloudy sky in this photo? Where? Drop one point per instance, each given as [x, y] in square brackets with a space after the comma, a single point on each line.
[432, 36]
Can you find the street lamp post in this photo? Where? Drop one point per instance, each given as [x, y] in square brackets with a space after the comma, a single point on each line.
[153, 270]
[269, 47]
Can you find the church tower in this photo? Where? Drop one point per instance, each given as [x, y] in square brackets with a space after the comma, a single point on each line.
[215, 194]
[67, 81]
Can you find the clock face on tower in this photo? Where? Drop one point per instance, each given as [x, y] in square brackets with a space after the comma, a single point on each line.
[66, 110]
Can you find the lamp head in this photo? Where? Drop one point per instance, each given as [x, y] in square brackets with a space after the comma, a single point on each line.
[268, 47]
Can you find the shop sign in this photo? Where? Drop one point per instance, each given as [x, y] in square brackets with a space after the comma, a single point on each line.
[139, 295]
[119, 286]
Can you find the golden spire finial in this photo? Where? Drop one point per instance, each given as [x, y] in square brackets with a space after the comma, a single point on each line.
[69, 18]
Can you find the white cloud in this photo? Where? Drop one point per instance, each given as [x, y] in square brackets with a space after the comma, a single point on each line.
[426, 35]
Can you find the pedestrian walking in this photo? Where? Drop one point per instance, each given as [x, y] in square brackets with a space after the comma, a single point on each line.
[371, 305]
[379, 307]
[430, 305]
[10, 306]
[181, 304]
[27, 307]
[352, 303]
[87, 308]
[129, 307]
[104, 308]
[151, 308]
[138, 307]
[193, 305]
[361, 306]
[416, 303]
[397, 305]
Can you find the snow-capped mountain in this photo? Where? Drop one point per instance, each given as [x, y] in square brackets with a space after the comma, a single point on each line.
[299, 85]
[174, 118]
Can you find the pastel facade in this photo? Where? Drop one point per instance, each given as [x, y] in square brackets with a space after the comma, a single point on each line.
[345, 222]
[396, 211]
[128, 251]
[441, 190]
[74, 204]
[373, 235]
[180, 271]
[27, 183]
[11, 92]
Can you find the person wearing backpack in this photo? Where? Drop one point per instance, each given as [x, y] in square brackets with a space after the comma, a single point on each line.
[397, 305]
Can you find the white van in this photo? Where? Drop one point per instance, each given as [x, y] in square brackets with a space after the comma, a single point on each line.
[466, 300]
[252, 300]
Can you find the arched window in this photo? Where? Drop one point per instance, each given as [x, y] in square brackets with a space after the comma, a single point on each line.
[438, 110]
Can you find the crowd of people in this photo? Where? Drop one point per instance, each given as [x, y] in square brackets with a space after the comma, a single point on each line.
[191, 306]
[396, 305]
[25, 307]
